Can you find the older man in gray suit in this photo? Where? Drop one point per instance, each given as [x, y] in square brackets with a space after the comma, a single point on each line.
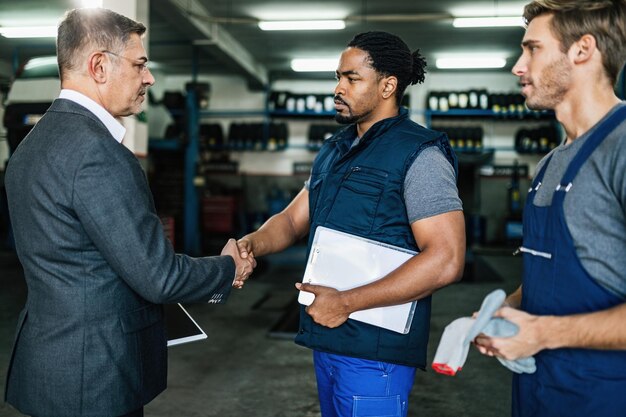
[91, 340]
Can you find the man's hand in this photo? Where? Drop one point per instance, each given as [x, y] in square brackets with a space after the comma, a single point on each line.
[245, 247]
[527, 341]
[329, 308]
[243, 265]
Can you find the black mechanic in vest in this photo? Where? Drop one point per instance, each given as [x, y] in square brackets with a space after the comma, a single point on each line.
[386, 178]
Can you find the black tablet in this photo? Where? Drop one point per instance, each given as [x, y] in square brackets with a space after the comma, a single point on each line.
[180, 326]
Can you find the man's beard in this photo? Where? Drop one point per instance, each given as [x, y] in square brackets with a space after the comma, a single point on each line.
[345, 120]
[555, 83]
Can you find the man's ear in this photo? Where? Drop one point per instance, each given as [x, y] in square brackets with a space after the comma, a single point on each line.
[389, 85]
[583, 49]
[97, 66]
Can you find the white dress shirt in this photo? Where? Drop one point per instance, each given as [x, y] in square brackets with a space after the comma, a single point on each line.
[114, 127]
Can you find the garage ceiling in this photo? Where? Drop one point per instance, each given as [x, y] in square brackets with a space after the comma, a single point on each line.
[221, 36]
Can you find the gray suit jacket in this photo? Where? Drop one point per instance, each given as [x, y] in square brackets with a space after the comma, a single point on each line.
[91, 340]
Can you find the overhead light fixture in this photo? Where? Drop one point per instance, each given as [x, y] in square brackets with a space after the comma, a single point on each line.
[314, 65]
[302, 24]
[470, 62]
[484, 22]
[29, 32]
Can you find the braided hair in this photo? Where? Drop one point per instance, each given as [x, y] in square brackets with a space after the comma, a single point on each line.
[389, 55]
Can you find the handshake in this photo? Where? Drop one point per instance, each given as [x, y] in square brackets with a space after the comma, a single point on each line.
[243, 256]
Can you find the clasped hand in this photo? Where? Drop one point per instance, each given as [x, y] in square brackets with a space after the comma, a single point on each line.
[244, 263]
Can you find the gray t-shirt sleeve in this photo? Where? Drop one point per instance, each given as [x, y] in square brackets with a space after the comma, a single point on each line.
[430, 186]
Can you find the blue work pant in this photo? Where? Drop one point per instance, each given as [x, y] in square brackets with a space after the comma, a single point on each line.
[351, 387]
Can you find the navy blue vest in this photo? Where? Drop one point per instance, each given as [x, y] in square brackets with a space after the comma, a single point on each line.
[360, 190]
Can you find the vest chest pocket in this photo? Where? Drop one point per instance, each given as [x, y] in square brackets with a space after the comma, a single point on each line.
[358, 198]
[315, 186]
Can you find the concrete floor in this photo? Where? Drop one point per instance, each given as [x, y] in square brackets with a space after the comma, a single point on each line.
[240, 370]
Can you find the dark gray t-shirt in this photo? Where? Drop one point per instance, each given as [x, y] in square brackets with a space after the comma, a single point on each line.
[429, 186]
[595, 206]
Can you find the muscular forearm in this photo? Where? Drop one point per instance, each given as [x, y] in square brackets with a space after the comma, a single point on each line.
[418, 278]
[441, 239]
[440, 262]
[281, 230]
[415, 279]
[277, 234]
[600, 330]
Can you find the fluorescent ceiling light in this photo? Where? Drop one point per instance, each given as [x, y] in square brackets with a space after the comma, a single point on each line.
[482, 22]
[29, 32]
[315, 65]
[302, 25]
[470, 62]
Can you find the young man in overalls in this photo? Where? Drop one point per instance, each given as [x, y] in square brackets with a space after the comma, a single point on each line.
[574, 286]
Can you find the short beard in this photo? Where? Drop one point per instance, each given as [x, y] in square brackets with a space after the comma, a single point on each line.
[556, 78]
[345, 120]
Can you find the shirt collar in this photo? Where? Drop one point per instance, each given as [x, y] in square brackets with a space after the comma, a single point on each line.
[113, 126]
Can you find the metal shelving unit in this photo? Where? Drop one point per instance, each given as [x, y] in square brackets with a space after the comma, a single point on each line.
[191, 221]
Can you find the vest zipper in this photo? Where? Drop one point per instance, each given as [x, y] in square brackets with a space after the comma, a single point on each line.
[352, 170]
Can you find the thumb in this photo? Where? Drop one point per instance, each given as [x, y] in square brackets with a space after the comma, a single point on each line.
[306, 287]
[505, 313]
[243, 249]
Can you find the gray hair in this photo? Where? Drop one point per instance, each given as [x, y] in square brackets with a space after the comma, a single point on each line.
[96, 28]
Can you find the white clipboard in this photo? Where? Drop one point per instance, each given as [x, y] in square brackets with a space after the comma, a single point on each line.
[180, 326]
[344, 261]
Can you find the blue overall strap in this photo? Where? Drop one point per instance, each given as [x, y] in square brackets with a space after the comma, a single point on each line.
[589, 146]
[539, 176]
